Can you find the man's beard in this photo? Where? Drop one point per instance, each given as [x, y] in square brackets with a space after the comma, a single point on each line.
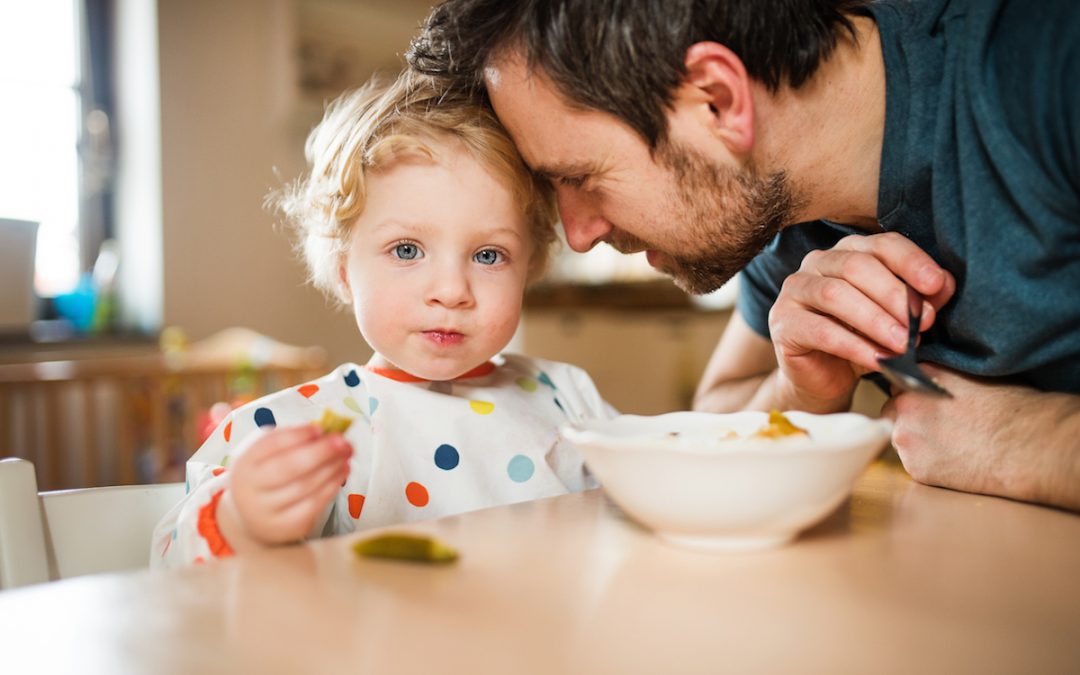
[730, 215]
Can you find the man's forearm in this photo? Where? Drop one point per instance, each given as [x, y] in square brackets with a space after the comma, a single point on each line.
[767, 391]
[1059, 438]
[732, 396]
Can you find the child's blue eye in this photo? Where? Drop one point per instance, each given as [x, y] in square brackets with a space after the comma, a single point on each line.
[406, 251]
[488, 256]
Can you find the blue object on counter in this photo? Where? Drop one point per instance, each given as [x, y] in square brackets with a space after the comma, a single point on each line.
[78, 306]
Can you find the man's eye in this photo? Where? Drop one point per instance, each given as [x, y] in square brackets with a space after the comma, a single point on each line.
[406, 251]
[488, 256]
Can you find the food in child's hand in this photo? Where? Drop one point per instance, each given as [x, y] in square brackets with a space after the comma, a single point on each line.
[779, 426]
[332, 423]
[405, 546]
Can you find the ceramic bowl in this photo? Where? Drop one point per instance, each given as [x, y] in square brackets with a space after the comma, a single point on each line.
[679, 476]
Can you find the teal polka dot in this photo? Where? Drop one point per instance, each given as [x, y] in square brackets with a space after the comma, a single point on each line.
[545, 380]
[520, 468]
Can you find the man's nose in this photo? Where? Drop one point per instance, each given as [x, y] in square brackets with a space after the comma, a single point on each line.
[449, 287]
[581, 217]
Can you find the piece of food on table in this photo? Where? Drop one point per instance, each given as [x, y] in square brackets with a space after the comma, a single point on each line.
[333, 423]
[779, 426]
[406, 546]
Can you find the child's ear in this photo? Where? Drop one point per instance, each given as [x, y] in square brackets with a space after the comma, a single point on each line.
[344, 291]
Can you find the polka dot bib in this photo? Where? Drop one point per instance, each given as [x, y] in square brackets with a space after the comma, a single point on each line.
[421, 450]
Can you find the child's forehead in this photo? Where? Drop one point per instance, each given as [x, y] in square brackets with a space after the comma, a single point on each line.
[444, 190]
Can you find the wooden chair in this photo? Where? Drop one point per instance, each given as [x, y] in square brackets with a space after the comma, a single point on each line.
[46, 536]
[145, 406]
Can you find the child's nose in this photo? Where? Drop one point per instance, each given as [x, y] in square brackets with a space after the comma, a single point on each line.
[450, 288]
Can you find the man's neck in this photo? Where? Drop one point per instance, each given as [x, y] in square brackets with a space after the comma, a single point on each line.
[827, 134]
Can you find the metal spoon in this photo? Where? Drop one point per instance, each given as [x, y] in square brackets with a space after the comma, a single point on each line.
[903, 371]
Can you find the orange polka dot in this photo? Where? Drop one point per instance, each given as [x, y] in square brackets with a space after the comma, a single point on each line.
[416, 494]
[356, 504]
[308, 390]
[218, 471]
[228, 431]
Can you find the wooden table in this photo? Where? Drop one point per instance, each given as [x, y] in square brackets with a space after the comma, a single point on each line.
[903, 578]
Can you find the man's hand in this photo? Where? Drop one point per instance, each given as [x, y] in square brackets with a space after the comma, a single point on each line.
[995, 439]
[845, 308]
[281, 483]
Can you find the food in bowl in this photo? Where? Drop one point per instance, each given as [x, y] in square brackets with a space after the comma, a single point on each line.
[779, 426]
[713, 481]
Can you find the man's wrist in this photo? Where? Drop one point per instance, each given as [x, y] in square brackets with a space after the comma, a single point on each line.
[781, 393]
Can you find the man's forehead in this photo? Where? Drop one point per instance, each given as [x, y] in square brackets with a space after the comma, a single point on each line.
[541, 121]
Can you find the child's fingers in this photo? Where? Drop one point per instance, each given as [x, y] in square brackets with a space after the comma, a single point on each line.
[285, 468]
[265, 446]
[298, 518]
[302, 487]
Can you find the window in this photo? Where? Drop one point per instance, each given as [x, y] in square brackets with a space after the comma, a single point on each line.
[54, 133]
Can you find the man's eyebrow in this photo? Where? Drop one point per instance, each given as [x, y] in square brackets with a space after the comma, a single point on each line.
[563, 170]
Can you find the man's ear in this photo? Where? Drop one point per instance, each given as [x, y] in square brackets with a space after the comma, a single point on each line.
[716, 78]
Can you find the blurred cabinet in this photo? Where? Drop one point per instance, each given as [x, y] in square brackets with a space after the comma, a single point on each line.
[643, 361]
[105, 417]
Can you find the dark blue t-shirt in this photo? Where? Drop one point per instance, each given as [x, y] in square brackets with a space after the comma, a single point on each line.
[981, 168]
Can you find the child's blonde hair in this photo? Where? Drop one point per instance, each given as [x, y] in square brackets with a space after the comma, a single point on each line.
[370, 128]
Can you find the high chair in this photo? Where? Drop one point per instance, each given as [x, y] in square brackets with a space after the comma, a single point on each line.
[46, 536]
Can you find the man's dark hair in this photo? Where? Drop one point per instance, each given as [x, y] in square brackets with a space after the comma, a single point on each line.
[626, 57]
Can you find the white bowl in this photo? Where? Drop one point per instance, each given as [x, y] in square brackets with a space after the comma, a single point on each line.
[701, 490]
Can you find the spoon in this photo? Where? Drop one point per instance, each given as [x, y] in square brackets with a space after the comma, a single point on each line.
[903, 371]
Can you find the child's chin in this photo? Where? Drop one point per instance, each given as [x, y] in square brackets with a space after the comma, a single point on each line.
[441, 372]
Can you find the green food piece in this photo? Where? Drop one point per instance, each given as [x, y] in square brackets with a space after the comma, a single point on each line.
[332, 423]
[402, 546]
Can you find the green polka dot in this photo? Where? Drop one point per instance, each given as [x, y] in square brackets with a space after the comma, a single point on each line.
[352, 405]
[527, 383]
[225, 460]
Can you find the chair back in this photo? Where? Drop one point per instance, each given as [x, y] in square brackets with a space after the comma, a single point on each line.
[55, 535]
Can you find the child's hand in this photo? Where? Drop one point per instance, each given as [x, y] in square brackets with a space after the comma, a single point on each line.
[281, 484]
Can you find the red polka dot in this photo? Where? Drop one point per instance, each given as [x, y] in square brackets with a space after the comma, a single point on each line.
[218, 471]
[416, 494]
[308, 390]
[356, 504]
[228, 431]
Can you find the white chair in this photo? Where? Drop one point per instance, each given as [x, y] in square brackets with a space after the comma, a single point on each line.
[54, 535]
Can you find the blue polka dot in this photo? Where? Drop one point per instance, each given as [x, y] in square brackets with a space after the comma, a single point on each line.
[174, 534]
[446, 457]
[559, 405]
[264, 417]
[520, 468]
[373, 404]
[351, 378]
[545, 380]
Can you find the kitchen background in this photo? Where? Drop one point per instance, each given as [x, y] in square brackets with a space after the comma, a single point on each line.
[189, 112]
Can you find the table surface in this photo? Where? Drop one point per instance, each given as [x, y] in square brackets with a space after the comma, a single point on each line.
[902, 578]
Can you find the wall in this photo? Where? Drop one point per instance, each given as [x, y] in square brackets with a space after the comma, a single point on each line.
[230, 115]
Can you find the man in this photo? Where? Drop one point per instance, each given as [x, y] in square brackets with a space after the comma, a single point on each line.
[855, 147]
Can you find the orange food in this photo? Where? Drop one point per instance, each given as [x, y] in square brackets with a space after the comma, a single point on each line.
[779, 426]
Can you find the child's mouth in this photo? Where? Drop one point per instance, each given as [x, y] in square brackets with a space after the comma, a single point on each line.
[444, 337]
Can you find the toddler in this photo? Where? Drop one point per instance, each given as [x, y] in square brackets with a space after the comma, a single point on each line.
[419, 214]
